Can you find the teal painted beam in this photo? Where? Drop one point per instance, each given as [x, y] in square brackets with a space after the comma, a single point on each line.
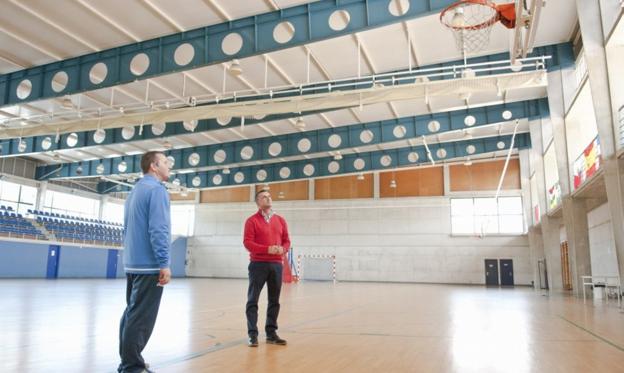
[209, 45]
[306, 143]
[349, 164]
[561, 57]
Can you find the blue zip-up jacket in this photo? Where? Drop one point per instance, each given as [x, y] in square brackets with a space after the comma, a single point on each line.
[147, 228]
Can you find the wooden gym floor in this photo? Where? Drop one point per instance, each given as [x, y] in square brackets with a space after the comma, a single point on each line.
[72, 326]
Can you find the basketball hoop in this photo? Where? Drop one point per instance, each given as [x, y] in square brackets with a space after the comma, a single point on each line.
[471, 22]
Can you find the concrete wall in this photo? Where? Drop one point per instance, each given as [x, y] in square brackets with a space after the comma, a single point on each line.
[601, 242]
[405, 240]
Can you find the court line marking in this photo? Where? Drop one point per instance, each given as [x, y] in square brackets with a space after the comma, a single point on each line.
[603, 339]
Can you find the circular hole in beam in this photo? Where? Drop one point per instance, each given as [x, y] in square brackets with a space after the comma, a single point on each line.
[334, 141]
[398, 7]
[304, 145]
[232, 44]
[127, 132]
[333, 167]
[158, 128]
[385, 160]
[308, 169]
[184, 54]
[246, 152]
[284, 172]
[275, 149]
[139, 64]
[196, 181]
[72, 140]
[99, 135]
[24, 89]
[46, 143]
[217, 179]
[366, 136]
[339, 20]
[283, 32]
[59, 81]
[359, 164]
[239, 177]
[194, 159]
[261, 175]
[219, 156]
[399, 131]
[98, 73]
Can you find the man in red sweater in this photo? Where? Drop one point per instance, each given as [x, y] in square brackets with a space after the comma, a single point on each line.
[266, 239]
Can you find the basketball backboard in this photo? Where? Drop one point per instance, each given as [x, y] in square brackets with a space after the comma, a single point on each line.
[522, 37]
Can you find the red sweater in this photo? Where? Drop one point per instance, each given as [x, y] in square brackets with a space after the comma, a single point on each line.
[259, 235]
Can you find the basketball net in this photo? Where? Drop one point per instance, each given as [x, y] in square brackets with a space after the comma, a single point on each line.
[471, 22]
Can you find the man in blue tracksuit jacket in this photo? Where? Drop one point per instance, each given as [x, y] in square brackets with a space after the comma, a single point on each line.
[147, 238]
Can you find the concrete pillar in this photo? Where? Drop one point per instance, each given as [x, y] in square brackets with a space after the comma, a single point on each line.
[556, 107]
[550, 226]
[575, 220]
[103, 201]
[590, 22]
[375, 185]
[41, 192]
[614, 182]
[311, 189]
[536, 246]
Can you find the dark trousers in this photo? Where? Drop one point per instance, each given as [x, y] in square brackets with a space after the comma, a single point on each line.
[137, 322]
[259, 274]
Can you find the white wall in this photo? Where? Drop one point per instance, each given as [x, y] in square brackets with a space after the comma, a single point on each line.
[404, 240]
[601, 242]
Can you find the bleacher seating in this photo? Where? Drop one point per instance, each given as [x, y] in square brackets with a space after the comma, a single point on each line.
[15, 225]
[79, 229]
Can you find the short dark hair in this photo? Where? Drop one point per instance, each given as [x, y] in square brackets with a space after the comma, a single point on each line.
[258, 193]
[147, 160]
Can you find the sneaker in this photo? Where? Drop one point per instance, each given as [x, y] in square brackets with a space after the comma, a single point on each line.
[274, 339]
[253, 341]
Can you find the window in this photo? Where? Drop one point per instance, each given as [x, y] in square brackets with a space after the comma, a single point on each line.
[487, 215]
[182, 220]
[19, 197]
[70, 204]
[113, 212]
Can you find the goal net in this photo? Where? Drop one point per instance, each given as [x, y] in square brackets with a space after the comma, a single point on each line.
[316, 267]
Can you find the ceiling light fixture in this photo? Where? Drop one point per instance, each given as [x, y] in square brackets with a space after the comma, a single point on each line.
[393, 183]
[67, 103]
[360, 176]
[235, 68]
[300, 123]
[337, 156]
[226, 171]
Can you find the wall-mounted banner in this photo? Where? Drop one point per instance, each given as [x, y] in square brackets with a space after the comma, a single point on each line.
[554, 196]
[536, 215]
[587, 163]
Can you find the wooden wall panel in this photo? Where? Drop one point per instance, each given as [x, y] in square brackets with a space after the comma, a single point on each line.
[484, 176]
[178, 196]
[412, 183]
[236, 194]
[290, 191]
[344, 187]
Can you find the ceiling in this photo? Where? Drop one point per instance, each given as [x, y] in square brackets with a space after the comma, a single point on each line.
[38, 32]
